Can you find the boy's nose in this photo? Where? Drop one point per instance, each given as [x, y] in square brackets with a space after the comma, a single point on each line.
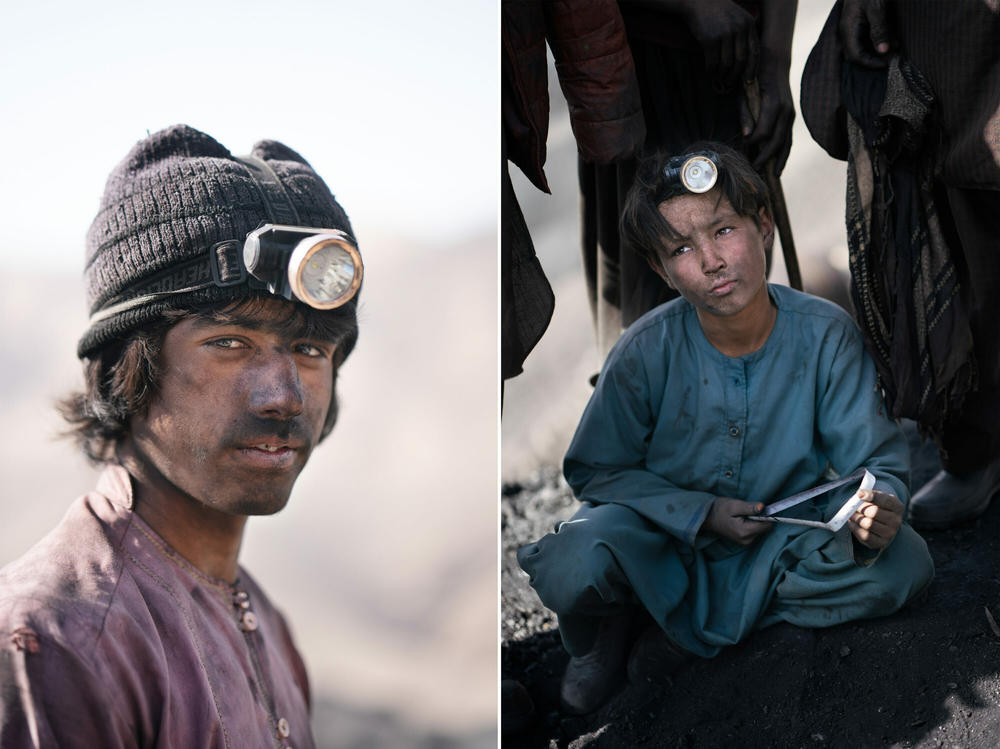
[711, 260]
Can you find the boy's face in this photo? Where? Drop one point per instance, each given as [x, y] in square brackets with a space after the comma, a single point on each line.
[718, 261]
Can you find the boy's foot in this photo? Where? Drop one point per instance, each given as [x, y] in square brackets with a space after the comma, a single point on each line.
[654, 657]
[947, 500]
[590, 679]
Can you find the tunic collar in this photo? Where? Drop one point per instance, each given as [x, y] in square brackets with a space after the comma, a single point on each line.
[115, 483]
[697, 334]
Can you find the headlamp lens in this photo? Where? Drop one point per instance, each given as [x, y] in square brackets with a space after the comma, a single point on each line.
[699, 174]
[325, 271]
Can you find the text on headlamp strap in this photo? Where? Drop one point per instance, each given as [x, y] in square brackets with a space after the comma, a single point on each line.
[222, 266]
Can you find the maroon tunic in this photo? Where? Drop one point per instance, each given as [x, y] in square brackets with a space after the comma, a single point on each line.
[109, 638]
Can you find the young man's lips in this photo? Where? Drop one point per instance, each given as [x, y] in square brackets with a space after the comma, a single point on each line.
[276, 455]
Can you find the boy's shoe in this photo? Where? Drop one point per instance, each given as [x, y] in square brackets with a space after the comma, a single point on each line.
[654, 657]
[590, 679]
[948, 500]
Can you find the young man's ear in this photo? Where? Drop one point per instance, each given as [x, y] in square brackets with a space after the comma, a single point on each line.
[657, 267]
[766, 224]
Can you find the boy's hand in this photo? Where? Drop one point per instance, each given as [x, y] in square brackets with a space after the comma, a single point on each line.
[877, 520]
[727, 518]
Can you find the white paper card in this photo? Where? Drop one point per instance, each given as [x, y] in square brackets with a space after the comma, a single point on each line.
[839, 520]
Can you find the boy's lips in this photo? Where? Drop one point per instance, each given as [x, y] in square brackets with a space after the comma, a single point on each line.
[722, 287]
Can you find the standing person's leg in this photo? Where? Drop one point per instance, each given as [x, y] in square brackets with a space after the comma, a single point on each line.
[970, 441]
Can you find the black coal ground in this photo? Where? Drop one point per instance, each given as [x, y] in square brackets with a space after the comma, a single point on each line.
[928, 676]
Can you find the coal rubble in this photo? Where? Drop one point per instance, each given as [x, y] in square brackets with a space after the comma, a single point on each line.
[928, 676]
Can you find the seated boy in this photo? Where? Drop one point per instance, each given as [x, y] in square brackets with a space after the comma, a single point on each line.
[737, 394]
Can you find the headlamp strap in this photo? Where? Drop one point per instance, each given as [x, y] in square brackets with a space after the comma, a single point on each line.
[223, 266]
[226, 261]
[279, 206]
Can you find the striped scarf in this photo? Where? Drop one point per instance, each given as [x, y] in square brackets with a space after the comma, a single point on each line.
[905, 289]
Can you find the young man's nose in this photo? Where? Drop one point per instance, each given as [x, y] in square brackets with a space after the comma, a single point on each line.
[276, 391]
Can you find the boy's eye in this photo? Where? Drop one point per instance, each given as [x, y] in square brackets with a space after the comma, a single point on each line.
[680, 250]
[725, 230]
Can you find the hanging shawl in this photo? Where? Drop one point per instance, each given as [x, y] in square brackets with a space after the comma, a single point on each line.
[905, 289]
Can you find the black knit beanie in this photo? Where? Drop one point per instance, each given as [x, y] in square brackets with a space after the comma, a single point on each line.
[176, 194]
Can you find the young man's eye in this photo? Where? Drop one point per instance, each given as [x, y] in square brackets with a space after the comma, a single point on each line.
[230, 343]
[680, 250]
[725, 230]
[310, 350]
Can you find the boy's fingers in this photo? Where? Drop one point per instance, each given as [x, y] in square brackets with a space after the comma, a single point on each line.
[868, 538]
[883, 499]
[739, 509]
[860, 533]
[878, 514]
[751, 531]
[876, 526]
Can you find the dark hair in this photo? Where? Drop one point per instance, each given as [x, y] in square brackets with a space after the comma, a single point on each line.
[122, 376]
[644, 228]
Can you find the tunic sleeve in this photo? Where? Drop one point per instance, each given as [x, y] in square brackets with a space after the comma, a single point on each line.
[606, 459]
[853, 423]
[50, 697]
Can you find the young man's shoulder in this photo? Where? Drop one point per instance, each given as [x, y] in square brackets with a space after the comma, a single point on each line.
[64, 585]
[103, 571]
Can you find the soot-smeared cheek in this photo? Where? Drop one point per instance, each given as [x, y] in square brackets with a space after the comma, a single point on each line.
[199, 453]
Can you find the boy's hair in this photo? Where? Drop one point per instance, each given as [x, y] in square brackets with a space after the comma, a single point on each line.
[645, 229]
[122, 377]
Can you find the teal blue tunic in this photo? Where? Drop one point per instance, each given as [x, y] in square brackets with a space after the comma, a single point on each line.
[673, 423]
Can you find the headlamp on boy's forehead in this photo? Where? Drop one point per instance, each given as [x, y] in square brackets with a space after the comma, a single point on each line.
[695, 172]
[319, 267]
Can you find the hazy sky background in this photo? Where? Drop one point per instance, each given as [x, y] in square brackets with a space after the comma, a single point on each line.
[391, 101]
[385, 559]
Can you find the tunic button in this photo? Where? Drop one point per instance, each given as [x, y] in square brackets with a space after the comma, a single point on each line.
[734, 431]
[728, 474]
[249, 621]
[284, 730]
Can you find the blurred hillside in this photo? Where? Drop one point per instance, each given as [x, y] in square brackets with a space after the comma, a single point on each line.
[543, 404]
[384, 559]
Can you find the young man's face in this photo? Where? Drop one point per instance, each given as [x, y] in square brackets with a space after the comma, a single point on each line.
[239, 409]
[718, 263]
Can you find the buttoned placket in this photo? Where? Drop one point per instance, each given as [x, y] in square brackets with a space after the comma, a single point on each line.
[736, 389]
[248, 623]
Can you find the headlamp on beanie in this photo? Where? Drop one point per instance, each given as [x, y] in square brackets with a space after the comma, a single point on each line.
[181, 203]
[694, 172]
[320, 267]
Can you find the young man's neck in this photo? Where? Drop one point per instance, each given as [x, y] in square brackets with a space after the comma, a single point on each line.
[744, 332]
[207, 538]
